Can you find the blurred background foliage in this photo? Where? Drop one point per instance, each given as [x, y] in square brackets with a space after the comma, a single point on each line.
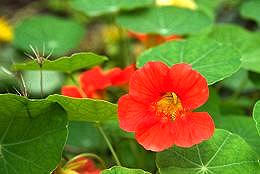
[63, 27]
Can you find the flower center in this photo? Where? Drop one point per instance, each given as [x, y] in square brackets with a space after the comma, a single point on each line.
[168, 106]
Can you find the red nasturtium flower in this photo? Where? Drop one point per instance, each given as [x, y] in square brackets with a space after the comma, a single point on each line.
[81, 166]
[94, 81]
[150, 40]
[159, 107]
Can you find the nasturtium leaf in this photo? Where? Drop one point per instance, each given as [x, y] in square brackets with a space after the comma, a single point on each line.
[65, 64]
[33, 134]
[48, 34]
[215, 61]
[101, 7]
[52, 81]
[251, 10]
[224, 153]
[209, 7]
[85, 109]
[256, 115]
[243, 126]
[123, 170]
[165, 20]
[246, 42]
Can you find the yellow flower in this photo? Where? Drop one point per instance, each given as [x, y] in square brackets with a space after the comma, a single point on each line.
[6, 32]
[178, 3]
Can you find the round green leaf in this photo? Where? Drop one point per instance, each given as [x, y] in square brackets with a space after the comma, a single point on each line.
[243, 126]
[246, 42]
[86, 109]
[251, 9]
[123, 170]
[65, 64]
[100, 7]
[48, 34]
[165, 21]
[32, 135]
[256, 115]
[224, 153]
[215, 61]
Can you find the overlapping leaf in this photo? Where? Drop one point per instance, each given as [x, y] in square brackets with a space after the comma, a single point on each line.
[224, 153]
[165, 21]
[65, 64]
[123, 170]
[33, 133]
[256, 115]
[48, 34]
[215, 61]
[100, 7]
[86, 109]
[251, 10]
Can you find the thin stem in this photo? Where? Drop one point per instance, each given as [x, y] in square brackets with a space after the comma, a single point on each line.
[41, 81]
[109, 144]
[73, 79]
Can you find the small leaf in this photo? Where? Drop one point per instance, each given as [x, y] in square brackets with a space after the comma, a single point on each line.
[165, 21]
[256, 115]
[65, 64]
[251, 9]
[85, 109]
[101, 7]
[224, 153]
[215, 61]
[48, 34]
[243, 126]
[32, 135]
[123, 170]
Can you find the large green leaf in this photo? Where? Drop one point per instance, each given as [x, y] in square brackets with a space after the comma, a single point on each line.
[123, 170]
[224, 153]
[85, 109]
[33, 133]
[100, 7]
[57, 35]
[165, 21]
[65, 64]
[256, 115]
[243, 126]
[251, 9]
[215, 61]
[246, 42]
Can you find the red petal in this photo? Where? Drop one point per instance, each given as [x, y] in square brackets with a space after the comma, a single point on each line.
[149, 82]
[189, 85]
[131, 113]
[155, 135]
[118, 76]
[71, 91]
[172, 37]
[193, 128]
[139, 36]
[93, 80]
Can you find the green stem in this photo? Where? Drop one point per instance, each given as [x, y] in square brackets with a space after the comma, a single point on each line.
[41, 81]
[73, 79]
[109, 144]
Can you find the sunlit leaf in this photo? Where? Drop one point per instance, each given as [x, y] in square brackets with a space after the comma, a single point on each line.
[215, 61]
[48, 34]
[65, 64]
[251, 10]
[256, 115]
[165, 21]
[33, 133]
[123, 170]
[224, 153]
[86, 109]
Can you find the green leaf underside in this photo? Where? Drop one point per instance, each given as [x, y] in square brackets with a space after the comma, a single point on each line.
[32, 135]
[247, 43]
[224, 153]
[215, 61]
[100, 7]
[48, 34]
[65, 64]
[123, 170]
[251, 9]
[256, 115]
[85, 109]
[165, 21]
[243, 126]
